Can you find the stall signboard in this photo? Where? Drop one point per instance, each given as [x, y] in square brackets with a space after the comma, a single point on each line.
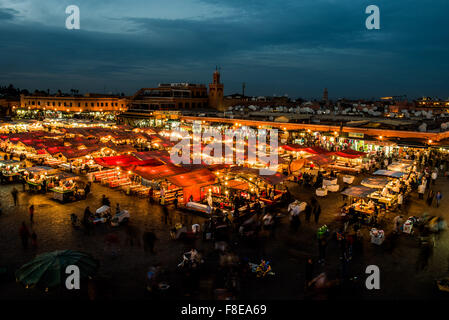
[356, 135]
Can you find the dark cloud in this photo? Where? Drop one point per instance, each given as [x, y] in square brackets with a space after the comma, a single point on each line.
[294, 47]
[8, 14]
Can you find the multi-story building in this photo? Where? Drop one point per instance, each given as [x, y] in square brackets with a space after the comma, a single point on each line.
[429, 102]
[86, 103]
[172, 96]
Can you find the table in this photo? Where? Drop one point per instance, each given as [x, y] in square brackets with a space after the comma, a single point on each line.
[337, 167]
[363, 209]
[12, 176]
[62, 195]
[348, 179]
[320, 192]
[328, 182]
[333, 187]
[388, 200]
[296, 207]
[34, 186]
[195, 206]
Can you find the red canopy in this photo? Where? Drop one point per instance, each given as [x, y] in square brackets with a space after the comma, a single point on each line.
[160, 155]
[158, 172]
[292, 147]
[320, 160]
[349, 153]
[193, 178]
[124, 161]
[315, 150]
[191, 183]
[312, 150]
[273, 179]
[54, 150]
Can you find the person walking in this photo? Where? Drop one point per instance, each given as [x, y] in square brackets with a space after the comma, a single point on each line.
[308, 273]
[438, 197]
[421, 190]
[308, 212]
[87, 189]
[149, 239]
[295, 222]
[87, 220]
[31, 211]
[397, 223]
[434, 176]
[24, 235]
[165, 212]
[430, 197]
[400, 201]
[317, 212]
[322, 244]
[341, 240]
[175, 201]
[23, 181]
[34, 240]
[14, 194]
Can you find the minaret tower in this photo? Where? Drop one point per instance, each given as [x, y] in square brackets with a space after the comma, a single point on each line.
[216, 92]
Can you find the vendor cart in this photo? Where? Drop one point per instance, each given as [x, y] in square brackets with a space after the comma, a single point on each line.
[377, 236]
[62, 195]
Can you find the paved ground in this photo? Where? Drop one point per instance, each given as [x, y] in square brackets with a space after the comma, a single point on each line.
[124, 275]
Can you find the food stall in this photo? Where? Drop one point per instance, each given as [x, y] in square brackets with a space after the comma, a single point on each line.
[403, 166]
[191, 183]
[223, 195]
[389, 199]
[397, 183]
[37, 177]
[268, 188]
[64, 187]
[378, 182]
[389, 173]
[10, 170]
[348, 161]
[156, 179]
[358, 203]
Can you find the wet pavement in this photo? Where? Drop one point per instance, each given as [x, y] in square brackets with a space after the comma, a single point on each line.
[399, 259]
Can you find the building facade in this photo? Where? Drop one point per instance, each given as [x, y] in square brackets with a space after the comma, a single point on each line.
[86, 103]
[429, 102]
[172, 96]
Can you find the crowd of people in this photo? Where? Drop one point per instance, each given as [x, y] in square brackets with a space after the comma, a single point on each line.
[262, 222]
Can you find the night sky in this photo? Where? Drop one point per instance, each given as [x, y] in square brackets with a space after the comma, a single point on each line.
[276, 47]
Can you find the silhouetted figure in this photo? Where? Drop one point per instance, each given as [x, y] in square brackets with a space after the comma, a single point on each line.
[24, 235]
[14, 194]
[149, 239]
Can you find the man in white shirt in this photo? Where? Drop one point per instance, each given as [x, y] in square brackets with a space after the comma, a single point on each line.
[397, 222]
[434, 176]
[400, 200]
[421, 190]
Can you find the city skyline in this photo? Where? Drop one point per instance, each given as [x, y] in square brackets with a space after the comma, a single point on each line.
[274, 47]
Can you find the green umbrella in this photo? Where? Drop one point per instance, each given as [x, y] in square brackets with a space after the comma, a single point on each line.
[47, 270]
